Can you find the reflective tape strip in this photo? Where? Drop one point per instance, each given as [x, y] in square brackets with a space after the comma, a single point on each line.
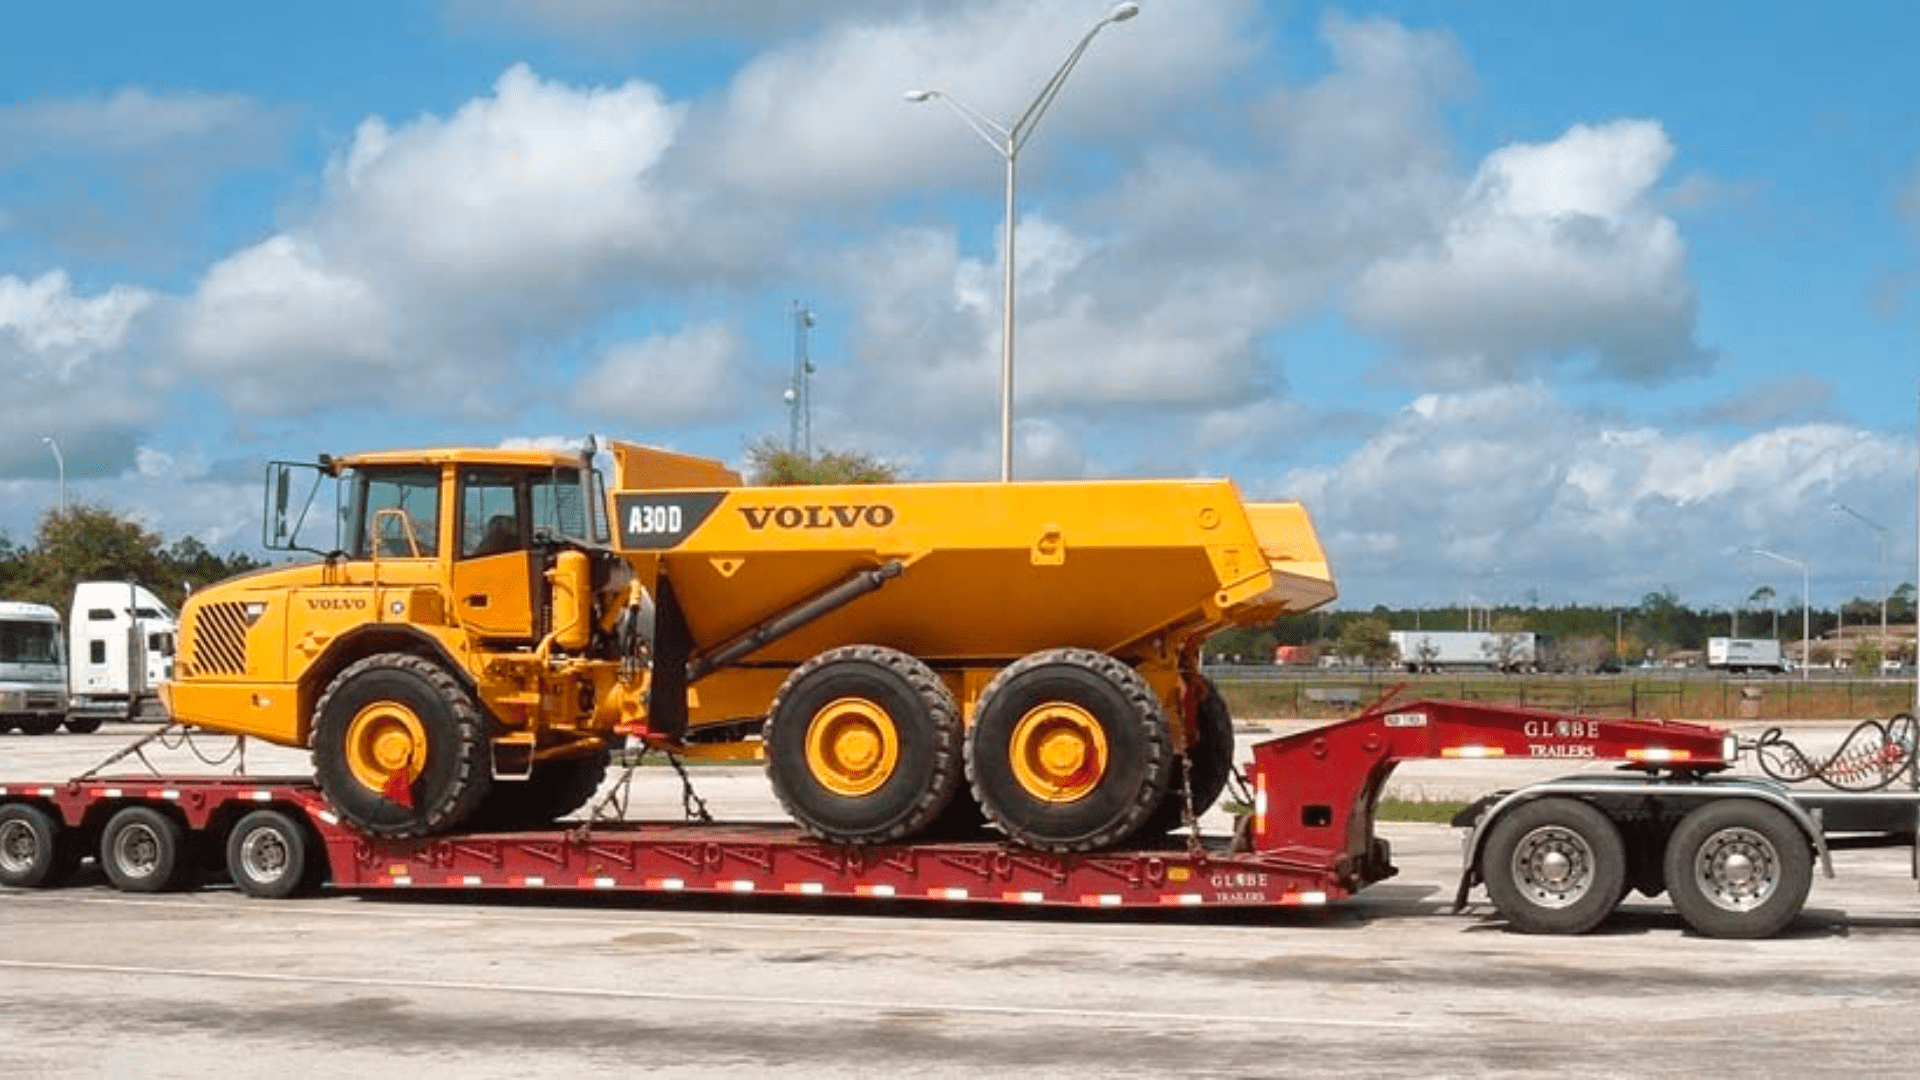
[329, 817]
[1101, 900]
[947, 893]
[1472, 751]
[46, 793]
[1658, 753]
[603, 883]
[671, 884]
[167, 793]
[464, 879]
[1186, 899]
[873, 890]
[527, 882]
[1260, 803]
[112, 793]
[1025, 897]
[3, 791]
[807, 888]
[736, 886]
[260, 796]
[401, 882]
[1306, 898]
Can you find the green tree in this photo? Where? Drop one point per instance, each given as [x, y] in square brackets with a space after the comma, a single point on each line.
[1866, 658]
[773, 465]
[89, 543]
[1370, 639]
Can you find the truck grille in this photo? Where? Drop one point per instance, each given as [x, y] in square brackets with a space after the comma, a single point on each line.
[216, 642]
[43, 702]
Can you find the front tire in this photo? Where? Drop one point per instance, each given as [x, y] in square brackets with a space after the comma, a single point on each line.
[1555, 866]
[400, 748]
[38, 725]
[1737, 868]
[554, 790]
[863, 745]
[84, 725]
[1069, 751]
[143, 851]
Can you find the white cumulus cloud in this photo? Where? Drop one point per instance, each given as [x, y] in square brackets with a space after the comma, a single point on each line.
[1558, 256]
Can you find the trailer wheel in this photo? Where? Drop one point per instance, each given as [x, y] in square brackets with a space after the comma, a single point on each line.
[143, 851]
[270, 856]
[1069, 751]
[1737, 868]
[554, 790]
[863, 745]
[84, 725]
[1554, 866]
[1208, 764]
[31, 855]
[400, 748]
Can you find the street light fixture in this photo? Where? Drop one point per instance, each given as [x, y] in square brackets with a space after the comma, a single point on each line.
[61, 464]
[1806, 607]
[1006, 141]
[1880, 543]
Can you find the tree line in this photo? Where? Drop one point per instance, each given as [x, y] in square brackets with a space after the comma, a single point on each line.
[93, 543]
[1583, 637]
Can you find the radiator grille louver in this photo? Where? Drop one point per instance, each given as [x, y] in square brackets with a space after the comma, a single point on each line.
[217, 642]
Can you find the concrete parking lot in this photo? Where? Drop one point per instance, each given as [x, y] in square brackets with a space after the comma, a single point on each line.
[93, 982]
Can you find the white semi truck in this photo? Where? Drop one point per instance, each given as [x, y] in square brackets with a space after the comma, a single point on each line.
[1739, 655]
[117, 650]
[1449, 650]
[33, 670]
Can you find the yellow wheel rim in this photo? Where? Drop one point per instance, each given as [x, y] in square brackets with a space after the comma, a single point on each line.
[852, 746]
[382, 739]
[1058, 752]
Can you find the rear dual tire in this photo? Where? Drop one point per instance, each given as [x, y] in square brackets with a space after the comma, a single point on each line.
[1069, 751]
[31, 855]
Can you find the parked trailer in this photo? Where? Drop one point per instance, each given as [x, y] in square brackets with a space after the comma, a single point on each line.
[1734, 854]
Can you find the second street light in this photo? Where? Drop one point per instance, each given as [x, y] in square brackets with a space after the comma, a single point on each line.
[1806, 608]
[60, 463]
[1880, 538]
[1007, 140]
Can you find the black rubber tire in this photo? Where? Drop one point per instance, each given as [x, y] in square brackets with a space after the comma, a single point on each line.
[8, 723]
[31, 854]
[554, 790]
[962, 822]
[1129, 784]
[270, 855]
[85, 725]
[905, 695]
[1755, 897]
[144, 851]
[1520, 866]
[38, 725]
[459, 768]
[1210, 762]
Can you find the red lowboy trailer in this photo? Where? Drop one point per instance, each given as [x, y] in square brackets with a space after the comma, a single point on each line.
[1734, 854]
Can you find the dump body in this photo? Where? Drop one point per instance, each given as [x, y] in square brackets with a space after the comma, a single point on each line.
[989, 571]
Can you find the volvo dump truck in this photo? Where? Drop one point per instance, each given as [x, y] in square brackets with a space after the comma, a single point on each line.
[482, 628]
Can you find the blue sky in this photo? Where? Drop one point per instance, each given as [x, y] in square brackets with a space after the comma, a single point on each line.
[1554, 301]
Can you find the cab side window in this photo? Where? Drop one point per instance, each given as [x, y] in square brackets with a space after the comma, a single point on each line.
[489, 514]
[399, 513]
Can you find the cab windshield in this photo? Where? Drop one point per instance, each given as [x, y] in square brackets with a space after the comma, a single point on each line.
[29, 643]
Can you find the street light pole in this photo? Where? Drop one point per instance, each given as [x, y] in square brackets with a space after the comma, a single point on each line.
[60, 463]
[1806, 607]
[1880, 543]
[1007, 141]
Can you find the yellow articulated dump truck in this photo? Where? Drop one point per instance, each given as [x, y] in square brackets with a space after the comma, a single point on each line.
[478, 629]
